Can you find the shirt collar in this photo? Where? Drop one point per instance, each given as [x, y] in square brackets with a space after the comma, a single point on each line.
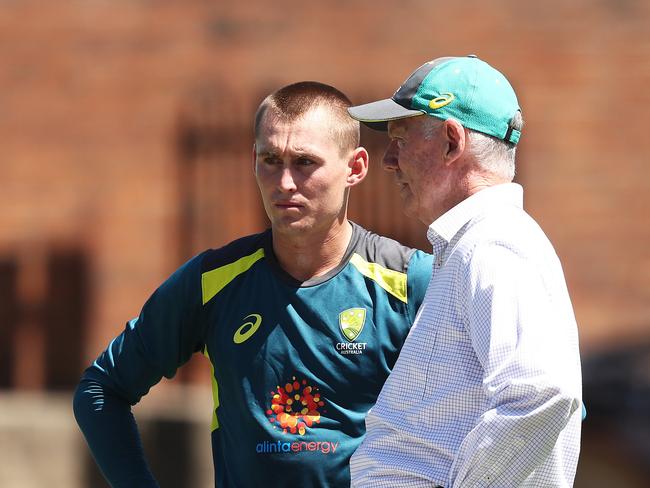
[445, 227]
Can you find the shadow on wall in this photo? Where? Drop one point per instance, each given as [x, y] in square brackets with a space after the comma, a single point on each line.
[44, 299]
[169, 445]
[616, 432]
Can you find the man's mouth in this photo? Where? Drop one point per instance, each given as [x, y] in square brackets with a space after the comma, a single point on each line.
[288, 205]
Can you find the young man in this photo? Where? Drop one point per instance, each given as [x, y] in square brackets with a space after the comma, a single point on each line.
[487, 389]
[302, 323]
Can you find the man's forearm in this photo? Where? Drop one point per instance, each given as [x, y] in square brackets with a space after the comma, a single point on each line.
[512, 440]
[112, 435]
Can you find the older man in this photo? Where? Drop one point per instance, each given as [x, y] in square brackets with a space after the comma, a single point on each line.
[487, 388]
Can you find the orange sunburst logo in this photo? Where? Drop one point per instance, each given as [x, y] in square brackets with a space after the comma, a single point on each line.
[295, 406]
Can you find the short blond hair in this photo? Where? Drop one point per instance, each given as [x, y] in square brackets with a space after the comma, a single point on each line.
[291, 102]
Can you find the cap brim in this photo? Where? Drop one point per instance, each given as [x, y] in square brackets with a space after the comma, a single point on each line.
[376, 115]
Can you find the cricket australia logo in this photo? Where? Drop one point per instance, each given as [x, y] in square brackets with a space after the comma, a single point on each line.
[351, 322]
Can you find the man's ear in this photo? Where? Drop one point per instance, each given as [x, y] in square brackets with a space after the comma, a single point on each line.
[357, 166]
[456, 138]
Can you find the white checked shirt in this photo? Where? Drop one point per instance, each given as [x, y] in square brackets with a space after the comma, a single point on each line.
[487, 388]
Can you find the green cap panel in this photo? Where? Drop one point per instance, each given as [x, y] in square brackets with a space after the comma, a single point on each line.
[472, 92]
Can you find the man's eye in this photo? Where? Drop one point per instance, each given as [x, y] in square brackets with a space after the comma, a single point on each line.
[271, 160]
[304, 161]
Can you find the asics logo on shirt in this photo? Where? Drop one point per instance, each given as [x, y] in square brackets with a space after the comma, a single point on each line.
[248, 328]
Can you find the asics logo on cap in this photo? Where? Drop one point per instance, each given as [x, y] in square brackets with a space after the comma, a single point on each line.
[441, 101]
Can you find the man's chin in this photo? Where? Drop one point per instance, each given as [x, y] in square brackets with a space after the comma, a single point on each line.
[289, 226]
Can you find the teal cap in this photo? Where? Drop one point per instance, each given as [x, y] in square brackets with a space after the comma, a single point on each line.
[464, 88]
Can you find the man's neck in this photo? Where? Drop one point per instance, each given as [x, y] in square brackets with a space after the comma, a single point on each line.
[306, 256]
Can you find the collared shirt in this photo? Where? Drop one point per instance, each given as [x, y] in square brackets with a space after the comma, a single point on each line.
[487, 388]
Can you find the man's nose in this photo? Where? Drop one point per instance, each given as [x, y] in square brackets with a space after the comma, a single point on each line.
[391, 156]
[287, 182]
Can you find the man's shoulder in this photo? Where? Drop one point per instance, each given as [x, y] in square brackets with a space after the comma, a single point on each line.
[248, 247]
[508, 227]
[385, 251]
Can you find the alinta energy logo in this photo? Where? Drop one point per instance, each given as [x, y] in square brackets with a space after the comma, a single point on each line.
[295, 407]
[351, 322]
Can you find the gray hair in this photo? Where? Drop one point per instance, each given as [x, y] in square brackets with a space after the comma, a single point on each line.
[494, 155]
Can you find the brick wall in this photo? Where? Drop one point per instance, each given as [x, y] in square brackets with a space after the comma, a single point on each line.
[98, 101]
[125, 136]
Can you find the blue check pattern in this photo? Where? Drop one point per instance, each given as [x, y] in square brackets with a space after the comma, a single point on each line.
[487, 388]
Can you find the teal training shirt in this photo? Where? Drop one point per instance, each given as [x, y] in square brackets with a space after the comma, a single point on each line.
[295, 365]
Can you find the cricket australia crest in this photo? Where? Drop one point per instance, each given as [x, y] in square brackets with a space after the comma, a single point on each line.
[351, 322]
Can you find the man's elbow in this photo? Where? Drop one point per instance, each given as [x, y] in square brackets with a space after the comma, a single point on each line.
[561, 401]
[88, 397]
[548, 398]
